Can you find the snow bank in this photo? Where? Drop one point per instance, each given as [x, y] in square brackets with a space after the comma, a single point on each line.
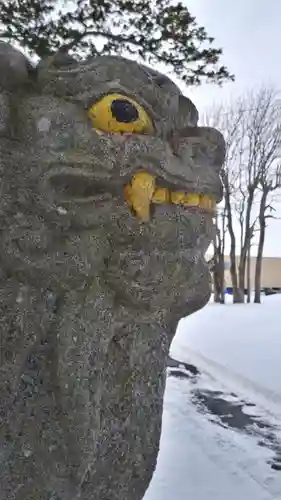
[237, 349]
[240, 342]
[200, 461]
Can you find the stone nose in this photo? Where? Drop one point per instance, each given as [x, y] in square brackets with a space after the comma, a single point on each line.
[200, 147]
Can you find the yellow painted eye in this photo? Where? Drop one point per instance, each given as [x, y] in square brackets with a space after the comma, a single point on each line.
[117, 113]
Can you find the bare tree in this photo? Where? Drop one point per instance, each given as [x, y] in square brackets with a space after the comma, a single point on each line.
[260, 143]
[270, 182]
[227, 119]
[252, 129]
[218, 258]
[249, 275]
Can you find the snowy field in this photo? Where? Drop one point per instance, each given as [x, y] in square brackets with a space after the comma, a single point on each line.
[221, 434]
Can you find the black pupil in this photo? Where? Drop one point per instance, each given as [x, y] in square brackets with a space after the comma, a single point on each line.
[124, 111]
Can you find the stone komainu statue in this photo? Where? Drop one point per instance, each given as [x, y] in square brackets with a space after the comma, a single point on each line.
[107, 195]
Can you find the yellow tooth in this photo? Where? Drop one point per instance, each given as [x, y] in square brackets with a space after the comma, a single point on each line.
[181, 198]
[178, 197]
[192, 200]
[207, 202]
[161, 195]
[140, 193]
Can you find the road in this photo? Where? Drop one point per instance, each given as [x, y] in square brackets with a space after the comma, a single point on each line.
[215, 443]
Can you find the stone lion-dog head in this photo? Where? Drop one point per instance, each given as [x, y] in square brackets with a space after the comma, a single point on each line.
[108, 192]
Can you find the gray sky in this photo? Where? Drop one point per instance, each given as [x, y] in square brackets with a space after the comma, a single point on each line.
[249, 33]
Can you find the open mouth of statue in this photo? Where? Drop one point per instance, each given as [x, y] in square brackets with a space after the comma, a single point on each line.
[143, 192]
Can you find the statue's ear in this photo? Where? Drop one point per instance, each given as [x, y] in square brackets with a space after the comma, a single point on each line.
[15, 68]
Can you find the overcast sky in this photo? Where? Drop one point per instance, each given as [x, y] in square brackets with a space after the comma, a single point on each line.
[249, 31]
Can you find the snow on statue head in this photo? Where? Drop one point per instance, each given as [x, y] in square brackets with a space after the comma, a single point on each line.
[107, 195]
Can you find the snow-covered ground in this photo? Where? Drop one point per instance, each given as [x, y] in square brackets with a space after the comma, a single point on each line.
[221, 432]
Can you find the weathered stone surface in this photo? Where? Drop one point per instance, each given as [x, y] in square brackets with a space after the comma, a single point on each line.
[90, 296]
